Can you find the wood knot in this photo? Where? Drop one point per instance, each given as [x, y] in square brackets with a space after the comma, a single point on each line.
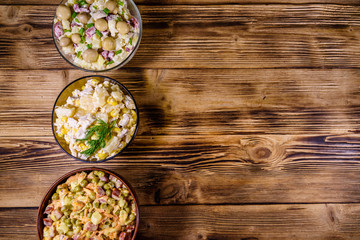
[262, 152]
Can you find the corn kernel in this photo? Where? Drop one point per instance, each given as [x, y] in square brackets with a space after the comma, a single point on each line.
[94, 81]
[114, 113]
[63, 131]
[117, 130]
[83, 87]
[60, 134]
[64, 119]
[102, 155]
[83, 146]
[77, 102]
[133, 114]
[125, 110]
[112, 101]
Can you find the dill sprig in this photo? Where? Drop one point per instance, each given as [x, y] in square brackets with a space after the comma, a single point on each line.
[103, 132]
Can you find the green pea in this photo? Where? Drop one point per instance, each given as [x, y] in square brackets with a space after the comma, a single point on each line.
[111, 201]
[78, 222]
[109, 209]
[92, 195]
[67, 213]
[81, 214]
[77, 229]
[69, 225]
[108, 192]
[87, 205]
[125, 192]
[77, 189]
[101, 174]
[89, 215]
[58, 190]
[95, 180]
[117, 212]
[111, 184]
[95, 173]
[64, 208]
[132, 217]
[68, 221]
[106, 186]
[127, 210]
[83, 183]
[103, 206]
[55, 196]
[101, 183]
[70, 233]
[73, 221]
[121, 202]
[88, 234]
[96, 204]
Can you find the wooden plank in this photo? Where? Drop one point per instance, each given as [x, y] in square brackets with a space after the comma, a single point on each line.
[194, 2]
[313, 221]
[192, 169]
[205, 36]
[211, 101]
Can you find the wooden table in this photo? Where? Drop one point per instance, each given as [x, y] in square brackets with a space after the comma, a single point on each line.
[249, 113]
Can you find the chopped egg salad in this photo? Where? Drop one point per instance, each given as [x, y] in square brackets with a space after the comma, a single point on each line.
[96, 34]
[97, 121]
[90, 206]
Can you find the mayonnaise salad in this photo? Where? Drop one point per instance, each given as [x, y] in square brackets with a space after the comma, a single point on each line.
[97, 121]
[95, 206]
[97, 34]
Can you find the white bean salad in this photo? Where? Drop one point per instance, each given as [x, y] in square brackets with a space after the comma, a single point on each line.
[90, 206]
[97, 121]
[97, 34]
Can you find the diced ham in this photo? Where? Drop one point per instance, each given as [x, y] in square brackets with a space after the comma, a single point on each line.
[79, 9]
[127, 49]
[130, 228]
[76, 236]
[101, 192]
[103, 199]
[111, 55]
[89, 226]
[105, 54]
[74, 24]
[134, 22]
[48, 209]
[110, 17]
[63, 237]
[117, 182]
[116, 194]
[57, 214]
[90, 32]
[124, 236]
[58, 29]
[104, 178]
[47, 221]
[105, 33]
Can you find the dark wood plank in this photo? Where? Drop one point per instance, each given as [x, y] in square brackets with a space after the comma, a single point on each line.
[199, 169]
[211, 101]
[313, 221]
[221, 36]
[193, 2]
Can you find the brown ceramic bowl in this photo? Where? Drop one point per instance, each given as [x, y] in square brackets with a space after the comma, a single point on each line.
[52, 190]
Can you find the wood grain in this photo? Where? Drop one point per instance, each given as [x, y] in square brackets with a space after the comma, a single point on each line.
[292, 221]
[221, 36]
[193, 2]
[199, 170]
[210, 102]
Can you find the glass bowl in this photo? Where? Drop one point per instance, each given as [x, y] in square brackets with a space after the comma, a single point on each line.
[61, 100]
[134, 12]
[53, 187]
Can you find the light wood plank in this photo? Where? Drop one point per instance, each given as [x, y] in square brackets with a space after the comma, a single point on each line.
[293, 221]
[212, 101]
[191, 169]
[221, 36]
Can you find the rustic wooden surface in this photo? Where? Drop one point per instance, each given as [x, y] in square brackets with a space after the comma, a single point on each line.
[249, 118]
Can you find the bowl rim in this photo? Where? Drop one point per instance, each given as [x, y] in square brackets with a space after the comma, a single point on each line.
[64, 177]
[123, 88]
[121, 64]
